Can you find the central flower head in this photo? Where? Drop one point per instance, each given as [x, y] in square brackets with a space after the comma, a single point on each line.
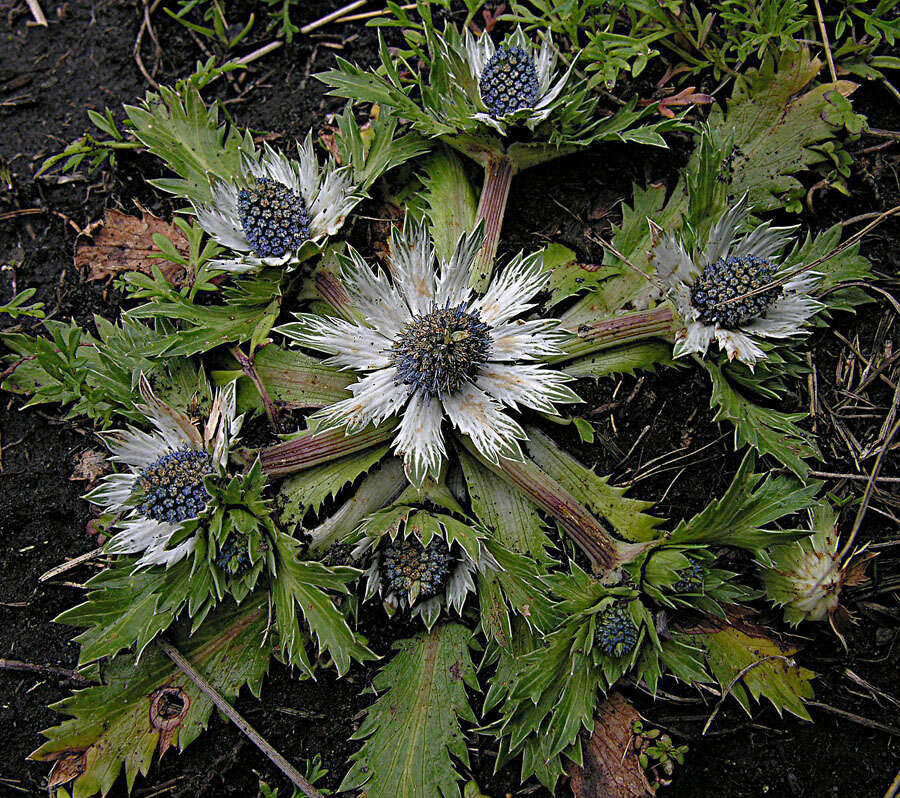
[729, 278]
[274, 218]
[616, 633]
[690, 579]
[439, 351]
[171, 488]
[412, 569]
[509, 81]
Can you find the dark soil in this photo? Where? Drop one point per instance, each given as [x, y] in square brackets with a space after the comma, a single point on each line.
[50, 76]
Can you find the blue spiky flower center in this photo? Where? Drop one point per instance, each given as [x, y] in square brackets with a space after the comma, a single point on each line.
[273, 217]
[616, 633]
[690, 579]
[441, 350]
[407, 564]
[509, 81]
[233, 556]
[729, 278]
[171, 488]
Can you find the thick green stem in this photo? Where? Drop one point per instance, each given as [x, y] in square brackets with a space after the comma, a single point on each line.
[498, 175]
[554, 499]
[314, 448]
[624, 329]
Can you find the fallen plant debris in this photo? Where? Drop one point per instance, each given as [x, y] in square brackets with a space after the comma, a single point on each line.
[472, 475]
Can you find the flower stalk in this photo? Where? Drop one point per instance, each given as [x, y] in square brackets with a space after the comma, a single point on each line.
[553, 498]
[498, 175]
[625, 329]
[314, 448]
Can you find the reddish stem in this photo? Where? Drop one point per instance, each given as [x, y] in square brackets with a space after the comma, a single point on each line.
[624, 329]
[498, 175]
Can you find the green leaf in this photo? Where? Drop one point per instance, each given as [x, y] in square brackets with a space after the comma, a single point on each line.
[187, 135]
[645, 355]
[625, 516]
[450, 198]
[309, 489]
[113, 723]
[750, 504]
[413, 728]
[307, 585]
[126, 608]
[766, 668]
[768, 431]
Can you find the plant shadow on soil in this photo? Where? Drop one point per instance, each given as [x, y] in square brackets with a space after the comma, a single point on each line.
[48, 78]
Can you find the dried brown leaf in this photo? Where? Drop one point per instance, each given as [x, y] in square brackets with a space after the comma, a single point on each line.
[611, 767]
[125, 244]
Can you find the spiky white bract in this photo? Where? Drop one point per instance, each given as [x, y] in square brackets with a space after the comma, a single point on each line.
[425, 347]
[161, 542]
[327, 193]
[805, 577]
[679, 270]
[460, 582]
[550, 80]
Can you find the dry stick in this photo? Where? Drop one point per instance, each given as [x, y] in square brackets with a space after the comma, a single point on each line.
[69, 564]
[652, 279]
[727, 691]
[894, 790]
[136, 50]
[341, 12]
[825, 41]
[371, 14]
[235, 717]
[818, 261]
[855, 477]
[251, 372]
[841, 713]
[42, 670]
[870, 489]
[36, 12]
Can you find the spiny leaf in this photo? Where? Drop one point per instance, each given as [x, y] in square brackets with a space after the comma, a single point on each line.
[768, 431]
[412, 730]
[626, 516]
[767, 667]
[645, 355]
[307, 585]
[750, 504]
[187, 135]
[309, 489]
[450, 198]
[125, 609]
[119, 722]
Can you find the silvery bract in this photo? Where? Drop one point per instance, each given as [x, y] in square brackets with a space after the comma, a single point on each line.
[518, 82]
[279, 208]
[163, 488]
[442, 575]
[805, 577]
[425, 347]
[718, 288]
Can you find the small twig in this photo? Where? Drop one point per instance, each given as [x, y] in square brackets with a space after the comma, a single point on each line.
[870, 488]
[825, 41]
[372, 14]
[655, 281]
[841, 713]
[341, 12]
[727, 691]
[854, 477]
[251, 372]
[43, 670]
[237, 719]
[69, 564]
[257, 54]
[136, 50]
[36, 12]
[894, 790]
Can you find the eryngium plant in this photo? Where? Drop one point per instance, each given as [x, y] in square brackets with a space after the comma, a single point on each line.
[425, 347]
[727, 287]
